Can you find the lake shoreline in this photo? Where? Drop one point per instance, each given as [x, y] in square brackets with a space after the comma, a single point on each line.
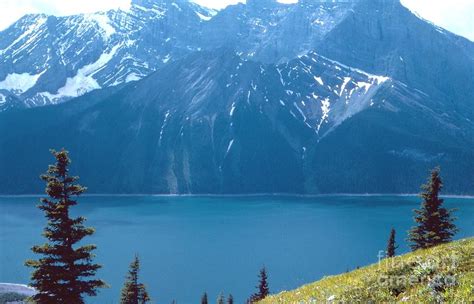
[252, 195]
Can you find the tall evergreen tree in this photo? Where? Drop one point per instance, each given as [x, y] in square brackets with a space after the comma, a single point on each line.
[204, 299]
[220, 299]
[134, 292]
[230, 299]
[263, 290]
[391, 247]
[64, 272]
[434, 223]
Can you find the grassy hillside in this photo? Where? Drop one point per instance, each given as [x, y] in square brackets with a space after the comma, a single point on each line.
[440, 274]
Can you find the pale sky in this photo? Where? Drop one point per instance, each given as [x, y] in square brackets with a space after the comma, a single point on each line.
[454, 15]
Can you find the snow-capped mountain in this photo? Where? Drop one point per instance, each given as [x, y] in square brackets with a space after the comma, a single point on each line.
[169, 97]
[47, 59]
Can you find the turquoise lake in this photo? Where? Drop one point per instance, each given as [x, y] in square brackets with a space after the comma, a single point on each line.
[189, 245]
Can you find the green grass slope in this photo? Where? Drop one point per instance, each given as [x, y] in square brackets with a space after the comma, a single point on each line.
[442, 274]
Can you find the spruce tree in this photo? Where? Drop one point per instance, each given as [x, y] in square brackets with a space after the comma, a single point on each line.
[391, 247]
[263, 290]
[204, 299]
[134, 292]
[230, 299]
[220, 299]
[434, 223]
[64, 272]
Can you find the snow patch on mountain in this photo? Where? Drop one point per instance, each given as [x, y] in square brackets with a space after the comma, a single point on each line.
[231, 113]
[357, 101]
[156, 11]
[30, 32]
[205, 18]
[167, 58]
[378, 78]
[325, 109]
[19, 83]
[163, 126]
[344, 84]
[319, 80]
[176, 6]
[229, 147]
[104, 24]
[132, 77]
[83, 81]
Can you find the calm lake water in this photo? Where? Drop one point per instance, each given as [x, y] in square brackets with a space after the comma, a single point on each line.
[189, 245]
